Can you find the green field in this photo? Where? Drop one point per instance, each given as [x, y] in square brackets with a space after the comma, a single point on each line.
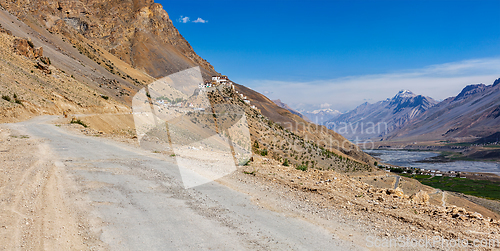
[480, 188]
[492, 146]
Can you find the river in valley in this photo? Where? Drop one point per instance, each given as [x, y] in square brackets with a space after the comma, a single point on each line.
[411, 159]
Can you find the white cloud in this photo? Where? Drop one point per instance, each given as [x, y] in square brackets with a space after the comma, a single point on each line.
[200, 20]
[183, 19]
[325, 105]
[437, 81]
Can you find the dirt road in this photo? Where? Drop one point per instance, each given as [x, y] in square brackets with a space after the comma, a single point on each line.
[94, 193]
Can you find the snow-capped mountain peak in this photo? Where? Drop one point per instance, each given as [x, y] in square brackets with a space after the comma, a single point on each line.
[326, 110]
[404, 94]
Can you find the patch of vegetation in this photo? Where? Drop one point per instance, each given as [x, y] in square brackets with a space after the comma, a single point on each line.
[6, 98]
[492, 146]
[20, 136]
[396, 170]
[301, 168]
[251, 173]
[163, 98]
[285, 163]
[19, 102]
[177, 100]
[256, 144]
[245, 162]
[78, 121]
[459, 144]
[263, 152]
[104, 97]
[480, 188]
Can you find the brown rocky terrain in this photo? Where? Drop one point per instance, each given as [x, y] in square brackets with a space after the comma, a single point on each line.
[384, 212]
[30, 85]
[138, 32]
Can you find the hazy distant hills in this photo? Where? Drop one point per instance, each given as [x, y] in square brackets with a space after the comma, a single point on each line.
[378, 119]
[474, 112]
[320, 116]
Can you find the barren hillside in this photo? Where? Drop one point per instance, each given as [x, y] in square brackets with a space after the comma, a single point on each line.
[138, 32]
[115, 49]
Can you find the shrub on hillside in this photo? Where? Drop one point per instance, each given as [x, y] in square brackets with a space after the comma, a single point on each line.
[78, 121]
[302, 168]
[6, 98]
[285, 163]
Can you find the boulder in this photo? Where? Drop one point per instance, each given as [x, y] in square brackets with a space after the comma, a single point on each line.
[26, 48]
[420, 197]
[45, 68]
[397, 192]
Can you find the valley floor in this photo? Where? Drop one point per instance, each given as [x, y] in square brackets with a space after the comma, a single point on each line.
[64, 190]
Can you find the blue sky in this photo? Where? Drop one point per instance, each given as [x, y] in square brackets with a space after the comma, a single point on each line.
[329, 51]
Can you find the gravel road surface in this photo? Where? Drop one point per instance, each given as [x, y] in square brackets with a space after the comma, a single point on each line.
[139, 201]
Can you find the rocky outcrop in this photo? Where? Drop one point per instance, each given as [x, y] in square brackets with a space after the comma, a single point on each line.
[470, 90]
[397, 192]
[279, 103]
[496, 82]
[26, 48]
[2, 30]
[420, 197]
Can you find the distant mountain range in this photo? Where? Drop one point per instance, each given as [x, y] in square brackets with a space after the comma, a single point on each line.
[472, 114]
[320, 116]
[381, 118]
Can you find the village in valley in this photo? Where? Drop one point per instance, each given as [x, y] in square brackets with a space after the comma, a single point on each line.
[422, 171]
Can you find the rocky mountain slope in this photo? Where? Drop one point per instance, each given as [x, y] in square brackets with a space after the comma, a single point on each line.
[138, 32]
[114, 48]
[282, 135]
[378, 119]
[279, 103]
[473, 113]
[36, 78]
